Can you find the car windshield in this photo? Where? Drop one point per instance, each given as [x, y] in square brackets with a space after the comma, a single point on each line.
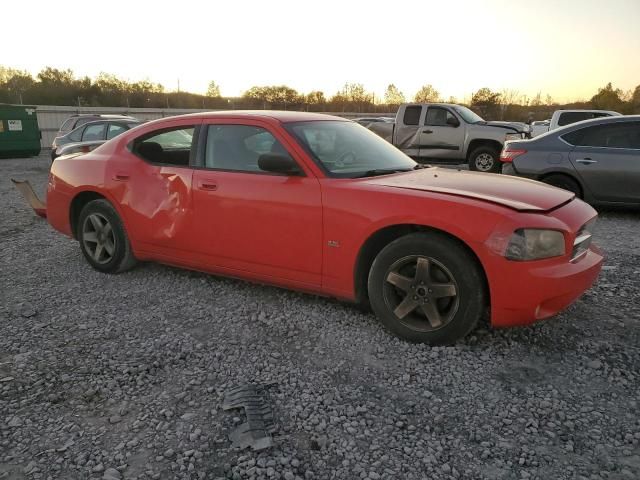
[347, 149]
[468, 115]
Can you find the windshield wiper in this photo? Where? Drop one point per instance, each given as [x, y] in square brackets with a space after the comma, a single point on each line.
[382, 171]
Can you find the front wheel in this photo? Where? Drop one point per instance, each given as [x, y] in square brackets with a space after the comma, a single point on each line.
[485, 159]
[427, 288]
[103, 239]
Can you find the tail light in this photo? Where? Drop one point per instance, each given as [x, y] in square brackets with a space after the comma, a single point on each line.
[508, 154]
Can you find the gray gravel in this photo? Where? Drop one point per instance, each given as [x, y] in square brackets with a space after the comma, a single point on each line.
[121, 377]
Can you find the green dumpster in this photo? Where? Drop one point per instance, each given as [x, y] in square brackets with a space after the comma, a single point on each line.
[19, 131]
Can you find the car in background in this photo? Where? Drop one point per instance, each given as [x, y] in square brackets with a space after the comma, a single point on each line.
[598, 160]
[449, 133]
[100, 130]
[562, 118]
[328, 208]
[74, 121]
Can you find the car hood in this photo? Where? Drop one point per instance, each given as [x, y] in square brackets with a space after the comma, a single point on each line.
[516, 193]
[518, 126]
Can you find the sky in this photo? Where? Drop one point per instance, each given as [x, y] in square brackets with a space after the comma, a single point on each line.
[564, 48]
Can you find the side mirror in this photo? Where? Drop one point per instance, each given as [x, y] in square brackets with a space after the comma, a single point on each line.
[453, 122]
[270, 162]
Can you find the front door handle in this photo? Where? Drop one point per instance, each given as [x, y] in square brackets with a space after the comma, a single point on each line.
[427, 131]
[121, 177]
[586, 161]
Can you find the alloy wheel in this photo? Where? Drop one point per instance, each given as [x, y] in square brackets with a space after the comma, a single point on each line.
[98, 238]
[484, 162]
[421, 292]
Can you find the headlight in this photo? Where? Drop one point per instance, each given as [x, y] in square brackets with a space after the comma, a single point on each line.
[535, 244]
[513, 136]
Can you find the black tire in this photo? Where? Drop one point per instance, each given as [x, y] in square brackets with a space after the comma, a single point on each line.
[450, 266]
[485, 159]
[91, 236]
[565, 182]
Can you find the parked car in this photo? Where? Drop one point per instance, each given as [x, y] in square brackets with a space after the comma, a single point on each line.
[561, 118]
[329, 208]
[598, 160]
[450, 133]
[100, 130]
[76, 120]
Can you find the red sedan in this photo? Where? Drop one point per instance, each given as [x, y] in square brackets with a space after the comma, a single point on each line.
[320, 204]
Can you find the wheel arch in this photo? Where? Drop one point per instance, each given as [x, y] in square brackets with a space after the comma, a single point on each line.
[575, 178]
[78, 202]
[385, 235]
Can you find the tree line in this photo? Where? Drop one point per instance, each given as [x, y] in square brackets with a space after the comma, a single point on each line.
[53, 86]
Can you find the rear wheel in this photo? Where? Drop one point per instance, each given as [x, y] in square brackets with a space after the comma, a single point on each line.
[103, 239]
[565, 182]
[485, 159]
[427, 288]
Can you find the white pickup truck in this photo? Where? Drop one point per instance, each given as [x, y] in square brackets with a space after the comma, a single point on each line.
[443, 132]
[560, 118]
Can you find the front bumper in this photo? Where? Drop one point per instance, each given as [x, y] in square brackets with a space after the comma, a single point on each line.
[532, 291]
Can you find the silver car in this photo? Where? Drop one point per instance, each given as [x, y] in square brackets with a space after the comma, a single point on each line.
[598, 160]
[100, 130]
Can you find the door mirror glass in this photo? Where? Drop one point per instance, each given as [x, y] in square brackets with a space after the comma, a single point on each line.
[452, 121]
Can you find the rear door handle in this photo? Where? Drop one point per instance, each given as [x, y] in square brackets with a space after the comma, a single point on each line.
[427, 131]
[121, 177]
[209, 185]
[586, 161]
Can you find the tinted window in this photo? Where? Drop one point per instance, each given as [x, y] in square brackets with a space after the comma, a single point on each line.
[67, 126]
[567, 118]
[115, 130]
[619, 135]
[437, 117]
[94, 132]
[76, 135]
[412, 115]
[238, 147]
[170, 146]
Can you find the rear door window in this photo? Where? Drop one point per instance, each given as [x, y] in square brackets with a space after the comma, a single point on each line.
[94, 132]
[115, 129]
[412, 115]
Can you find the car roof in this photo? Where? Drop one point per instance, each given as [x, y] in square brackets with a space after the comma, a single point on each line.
[583, 110]
[283, 116]
[101, 115]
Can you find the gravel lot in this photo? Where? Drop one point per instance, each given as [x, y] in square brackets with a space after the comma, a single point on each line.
[120, 377]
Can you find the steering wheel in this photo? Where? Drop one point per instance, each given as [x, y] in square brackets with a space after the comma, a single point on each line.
[346, 158]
